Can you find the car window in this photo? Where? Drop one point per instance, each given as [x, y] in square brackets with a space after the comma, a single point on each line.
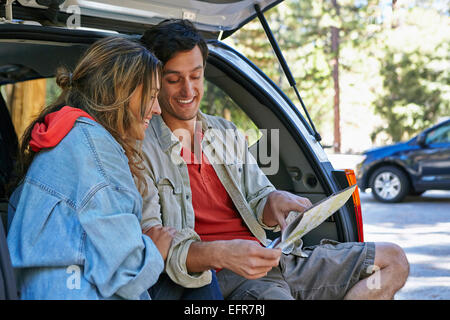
[217, 102]
[439, 135]
[52, 91]
[26, 99]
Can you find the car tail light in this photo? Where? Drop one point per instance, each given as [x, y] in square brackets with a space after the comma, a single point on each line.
[351, 178]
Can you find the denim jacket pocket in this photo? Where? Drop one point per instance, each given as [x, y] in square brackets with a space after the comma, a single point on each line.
[170, 198]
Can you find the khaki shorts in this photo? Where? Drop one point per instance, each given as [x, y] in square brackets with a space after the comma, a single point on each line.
[329, 271]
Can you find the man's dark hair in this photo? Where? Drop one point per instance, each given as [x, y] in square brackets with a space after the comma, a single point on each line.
[172, 36]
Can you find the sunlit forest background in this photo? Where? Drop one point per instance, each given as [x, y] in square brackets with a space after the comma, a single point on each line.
[383, 66]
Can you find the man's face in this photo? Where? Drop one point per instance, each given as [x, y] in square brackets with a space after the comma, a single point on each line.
[182, 85]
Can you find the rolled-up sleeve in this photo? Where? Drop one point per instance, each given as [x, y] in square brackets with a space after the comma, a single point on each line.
[119, 259]
[176, 261]
[175, 267]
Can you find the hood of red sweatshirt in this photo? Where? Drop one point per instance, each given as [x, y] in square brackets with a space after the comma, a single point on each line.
[55, 127]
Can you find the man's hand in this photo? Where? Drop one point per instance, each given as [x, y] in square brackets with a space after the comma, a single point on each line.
[162, 237]
[244, 257]
[278, 206]
[249, 259]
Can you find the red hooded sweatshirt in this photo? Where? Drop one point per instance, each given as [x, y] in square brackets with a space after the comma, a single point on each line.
[55, 127]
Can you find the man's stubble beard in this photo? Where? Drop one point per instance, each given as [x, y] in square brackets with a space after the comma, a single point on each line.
[170, 111]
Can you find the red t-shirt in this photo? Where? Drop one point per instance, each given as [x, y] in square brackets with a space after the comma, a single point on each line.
[216, 217]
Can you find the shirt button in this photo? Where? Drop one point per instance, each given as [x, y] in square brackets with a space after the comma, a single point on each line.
[187, 197]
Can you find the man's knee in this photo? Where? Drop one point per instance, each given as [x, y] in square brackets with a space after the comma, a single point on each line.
[391, 255]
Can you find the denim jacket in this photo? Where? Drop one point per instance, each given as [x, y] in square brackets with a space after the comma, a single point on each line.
[74, 223]
[169, 198]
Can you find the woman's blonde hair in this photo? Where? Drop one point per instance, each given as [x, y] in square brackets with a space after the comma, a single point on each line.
[102, 84]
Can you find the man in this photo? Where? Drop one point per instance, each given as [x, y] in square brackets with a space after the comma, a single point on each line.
[221, 208]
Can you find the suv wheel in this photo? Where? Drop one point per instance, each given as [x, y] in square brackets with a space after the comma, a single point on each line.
[389, 184]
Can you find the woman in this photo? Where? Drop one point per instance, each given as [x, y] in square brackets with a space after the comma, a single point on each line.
[74, 230]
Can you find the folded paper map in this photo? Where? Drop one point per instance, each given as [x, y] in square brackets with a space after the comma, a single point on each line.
[301, 223]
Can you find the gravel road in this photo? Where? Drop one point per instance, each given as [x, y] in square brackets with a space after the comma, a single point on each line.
[421, 226]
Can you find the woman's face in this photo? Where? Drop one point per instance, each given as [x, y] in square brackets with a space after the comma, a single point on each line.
[135, 108]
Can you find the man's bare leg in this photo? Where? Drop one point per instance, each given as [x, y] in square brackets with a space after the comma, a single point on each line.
[391, 270]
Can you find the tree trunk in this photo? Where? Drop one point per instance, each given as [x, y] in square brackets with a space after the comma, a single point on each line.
[27, 101]
[227, 114]
[335, 65]
[394, 21]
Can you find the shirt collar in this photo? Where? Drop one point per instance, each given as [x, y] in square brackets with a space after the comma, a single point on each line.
[167, 139]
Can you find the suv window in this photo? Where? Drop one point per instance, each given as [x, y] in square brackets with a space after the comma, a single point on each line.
[218, 103]
[439, 135]
[26, 99]
[52, 91]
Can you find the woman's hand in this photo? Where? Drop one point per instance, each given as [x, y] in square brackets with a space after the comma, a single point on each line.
[162, 237]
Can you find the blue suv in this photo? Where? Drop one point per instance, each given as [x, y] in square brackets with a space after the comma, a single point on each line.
[408, 168]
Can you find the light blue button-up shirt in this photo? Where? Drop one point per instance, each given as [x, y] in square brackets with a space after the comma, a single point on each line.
[74, 223]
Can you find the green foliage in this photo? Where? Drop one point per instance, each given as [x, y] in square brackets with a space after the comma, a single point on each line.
[413, 98]
[52, 91]
[416, 78]
[303, 31]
